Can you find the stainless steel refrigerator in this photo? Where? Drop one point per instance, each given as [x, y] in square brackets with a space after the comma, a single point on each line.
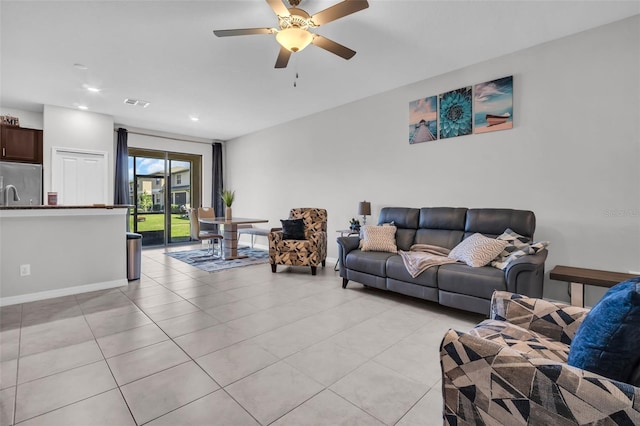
[20, 184]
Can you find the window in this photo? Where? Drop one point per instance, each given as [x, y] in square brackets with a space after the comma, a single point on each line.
[178, 179]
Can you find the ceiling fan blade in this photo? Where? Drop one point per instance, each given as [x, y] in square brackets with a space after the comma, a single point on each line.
[278, 7]
[337, 11]
[333, 47]
[283, 58]
[243, 31]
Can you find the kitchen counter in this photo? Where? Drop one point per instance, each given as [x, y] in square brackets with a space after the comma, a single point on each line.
[42, 211]
[65, 250]
[93, 206]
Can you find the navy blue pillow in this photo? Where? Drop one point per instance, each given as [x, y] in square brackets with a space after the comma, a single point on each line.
[608, 340]
[293, 229]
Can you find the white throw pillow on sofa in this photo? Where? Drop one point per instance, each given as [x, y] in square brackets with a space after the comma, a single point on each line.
[477, 250]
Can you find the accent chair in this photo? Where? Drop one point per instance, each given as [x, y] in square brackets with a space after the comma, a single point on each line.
[310, 251]
[512, 369]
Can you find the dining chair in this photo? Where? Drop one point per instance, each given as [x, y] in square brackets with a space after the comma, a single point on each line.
[198, 234]
[252, 231]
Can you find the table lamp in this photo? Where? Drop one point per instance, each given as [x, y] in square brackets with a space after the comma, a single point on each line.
[364, 210]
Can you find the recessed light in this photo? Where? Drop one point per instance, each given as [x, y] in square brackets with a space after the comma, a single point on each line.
[93, 89]
[194, 118]
[83, 107]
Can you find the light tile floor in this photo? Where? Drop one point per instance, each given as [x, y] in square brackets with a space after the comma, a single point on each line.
[238, 347]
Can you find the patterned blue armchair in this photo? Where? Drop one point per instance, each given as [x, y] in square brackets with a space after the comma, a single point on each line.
[512, 370]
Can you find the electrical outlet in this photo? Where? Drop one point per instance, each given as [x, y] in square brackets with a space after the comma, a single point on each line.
[25, 270]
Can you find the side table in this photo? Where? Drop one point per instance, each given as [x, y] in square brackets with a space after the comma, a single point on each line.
[343, 233]
[578, 277]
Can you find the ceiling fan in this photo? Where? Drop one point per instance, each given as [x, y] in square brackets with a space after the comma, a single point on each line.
[294, 35]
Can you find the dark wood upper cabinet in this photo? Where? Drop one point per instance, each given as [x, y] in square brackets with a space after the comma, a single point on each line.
[20, 144]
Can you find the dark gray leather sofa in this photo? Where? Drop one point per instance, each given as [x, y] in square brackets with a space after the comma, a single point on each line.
[456, 285]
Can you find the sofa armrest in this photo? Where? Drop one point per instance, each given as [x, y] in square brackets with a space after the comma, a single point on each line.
[498, 376]
[348, 243]
[557, 321]
[525, 275]
[345, 246]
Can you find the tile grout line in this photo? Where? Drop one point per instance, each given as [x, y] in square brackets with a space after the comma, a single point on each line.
[108, 366]
[15, 394]
[359, 408]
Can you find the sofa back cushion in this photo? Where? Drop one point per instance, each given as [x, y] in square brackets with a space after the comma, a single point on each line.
[608, 340]
[441, 226]
[406, 221]
[493, 222]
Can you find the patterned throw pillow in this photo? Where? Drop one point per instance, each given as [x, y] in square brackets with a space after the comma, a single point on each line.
[518, 246]
[515, 241]
[361, 235]
[379, 238]
[477, 250]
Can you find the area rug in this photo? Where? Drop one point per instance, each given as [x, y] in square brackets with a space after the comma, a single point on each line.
[201, 260]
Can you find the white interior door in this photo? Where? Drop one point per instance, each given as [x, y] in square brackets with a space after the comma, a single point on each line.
[79, 177]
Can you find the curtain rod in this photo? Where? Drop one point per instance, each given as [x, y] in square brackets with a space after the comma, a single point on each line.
[168, 137]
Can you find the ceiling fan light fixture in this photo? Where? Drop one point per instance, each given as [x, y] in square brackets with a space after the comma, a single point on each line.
[294, 39]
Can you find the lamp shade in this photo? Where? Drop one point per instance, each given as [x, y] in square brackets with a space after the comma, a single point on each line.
[294, 39]
[364, 208]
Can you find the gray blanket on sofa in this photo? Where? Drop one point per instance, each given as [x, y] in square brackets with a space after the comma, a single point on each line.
[421, 257]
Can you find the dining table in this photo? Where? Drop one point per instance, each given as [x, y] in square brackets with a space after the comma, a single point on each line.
[229, 231]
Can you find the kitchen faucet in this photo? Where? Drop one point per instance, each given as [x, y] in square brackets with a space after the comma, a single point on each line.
[6, 194]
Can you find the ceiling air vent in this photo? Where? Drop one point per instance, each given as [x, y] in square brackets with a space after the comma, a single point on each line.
[136, 102]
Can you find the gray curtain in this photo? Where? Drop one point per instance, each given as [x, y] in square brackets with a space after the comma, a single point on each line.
[217, 184]
[121, 193]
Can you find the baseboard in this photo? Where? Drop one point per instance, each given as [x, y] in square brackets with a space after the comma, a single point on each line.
[50, 294]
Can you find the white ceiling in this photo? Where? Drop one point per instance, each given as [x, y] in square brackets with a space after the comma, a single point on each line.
[164, 52]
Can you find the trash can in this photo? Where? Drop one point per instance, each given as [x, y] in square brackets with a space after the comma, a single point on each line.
[134, 255]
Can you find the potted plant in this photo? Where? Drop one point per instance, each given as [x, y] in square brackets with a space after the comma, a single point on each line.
[354, 224]
[227, 198]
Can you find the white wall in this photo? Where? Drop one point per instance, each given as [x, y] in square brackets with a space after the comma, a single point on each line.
[185, 145]
[572, 156]
[72, 128]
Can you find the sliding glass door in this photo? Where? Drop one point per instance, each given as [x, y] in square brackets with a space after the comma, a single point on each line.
[163, 186]
[180, 198]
